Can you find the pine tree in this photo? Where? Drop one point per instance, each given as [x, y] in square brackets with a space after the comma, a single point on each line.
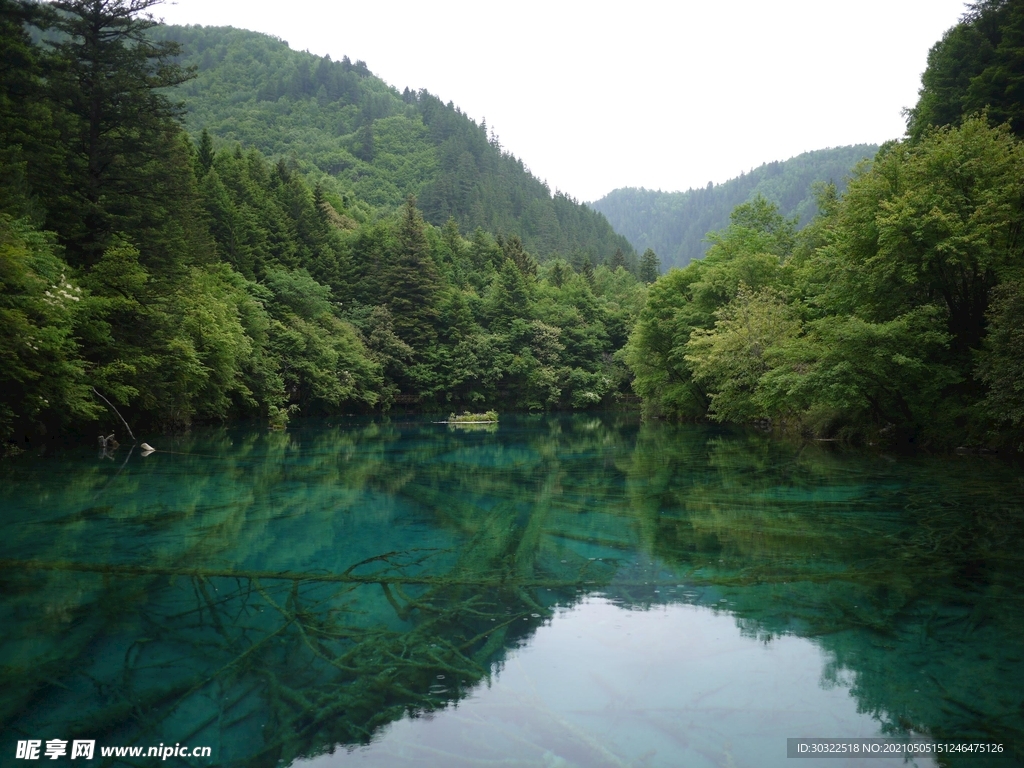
[413, 284]
[205, 153]
[558, 273]
[650, 266]
[510, 297]
[106, 79]
[583, 265]
[512, 249]
[27, 143]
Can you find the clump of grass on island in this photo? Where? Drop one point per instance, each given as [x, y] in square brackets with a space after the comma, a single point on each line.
[488, 417]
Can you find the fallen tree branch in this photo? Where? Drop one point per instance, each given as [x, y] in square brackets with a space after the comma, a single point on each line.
[101, 397]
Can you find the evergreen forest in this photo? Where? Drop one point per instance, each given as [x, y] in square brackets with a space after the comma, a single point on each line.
[200, 224]
[675, 224]
[336, 119]
[171, 278]
[897, 314]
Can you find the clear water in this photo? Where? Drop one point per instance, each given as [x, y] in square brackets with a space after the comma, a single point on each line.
[555, 591]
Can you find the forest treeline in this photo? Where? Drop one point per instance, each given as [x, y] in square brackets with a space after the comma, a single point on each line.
[675, 224]
[183, 279]
[898, 313]
[336, 119]
[222, 273]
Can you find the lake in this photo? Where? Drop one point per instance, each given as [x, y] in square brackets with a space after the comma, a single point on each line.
[553, 591]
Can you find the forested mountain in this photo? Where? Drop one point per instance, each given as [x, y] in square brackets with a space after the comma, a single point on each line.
[182, 278]
[675, 224]
[168, 280]
[337, 118]
[897, 314]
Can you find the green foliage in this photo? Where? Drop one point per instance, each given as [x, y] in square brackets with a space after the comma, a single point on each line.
[193, 349]
[281, 263]
[194, 282]
[675, 224]
[650, 266]
[295, 291]
[473, 418]
[932, 222]
[1001, 362]
[43, 378]
[106, 81]
[224, 328]
[411, 281]
[750, 253]
[889, 316]
[28, 136]
[975, 68]
[655, 354]
[730, 359]
[372, 143]
[851, 374]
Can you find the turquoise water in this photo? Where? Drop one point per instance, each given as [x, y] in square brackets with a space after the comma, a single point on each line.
[554, 591]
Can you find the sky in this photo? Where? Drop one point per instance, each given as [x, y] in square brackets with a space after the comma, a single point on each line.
[664, 95]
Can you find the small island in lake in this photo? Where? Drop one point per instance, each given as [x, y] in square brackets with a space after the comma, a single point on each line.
[488, 417]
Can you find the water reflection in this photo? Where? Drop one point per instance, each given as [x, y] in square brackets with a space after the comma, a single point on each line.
[279, 596]
[605, 687]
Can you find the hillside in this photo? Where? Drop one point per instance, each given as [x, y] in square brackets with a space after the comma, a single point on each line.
[156, 279]
[674, 224]
[337, 118]
[895, 316]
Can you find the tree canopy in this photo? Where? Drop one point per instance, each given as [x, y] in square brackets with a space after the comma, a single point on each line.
[890, 316]
[184, 278]
[295, 236]
[977, 66]
[375, 143]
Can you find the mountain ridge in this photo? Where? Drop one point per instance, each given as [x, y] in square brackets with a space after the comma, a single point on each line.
[674, 224]
[337, 120]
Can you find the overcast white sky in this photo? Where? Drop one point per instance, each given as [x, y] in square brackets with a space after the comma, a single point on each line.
[664, 95]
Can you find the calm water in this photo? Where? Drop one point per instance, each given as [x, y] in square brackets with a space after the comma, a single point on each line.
[575, 591]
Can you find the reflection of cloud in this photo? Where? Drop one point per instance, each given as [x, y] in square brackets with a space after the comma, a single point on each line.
[603, 686]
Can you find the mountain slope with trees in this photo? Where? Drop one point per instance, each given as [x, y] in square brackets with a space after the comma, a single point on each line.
[336, 119]
[181, 280]
[896, 315]
[675, 224]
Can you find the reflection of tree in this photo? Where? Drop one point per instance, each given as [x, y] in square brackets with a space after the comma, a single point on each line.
[907, 572]
[271, 663]
[300, 662]
[292, 592]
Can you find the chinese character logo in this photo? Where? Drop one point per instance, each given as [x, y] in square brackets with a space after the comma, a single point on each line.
[82, 749]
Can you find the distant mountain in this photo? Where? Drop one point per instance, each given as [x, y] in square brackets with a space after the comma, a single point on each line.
[674, 224]
[337, 118]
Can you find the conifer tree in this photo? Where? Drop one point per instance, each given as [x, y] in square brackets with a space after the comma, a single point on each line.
[584, 266]
[413, 283]
[512, 249]
[650, 266]
[617, 260]
[205, 153]
[558, 273]
[106, 78]
[26, 140]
